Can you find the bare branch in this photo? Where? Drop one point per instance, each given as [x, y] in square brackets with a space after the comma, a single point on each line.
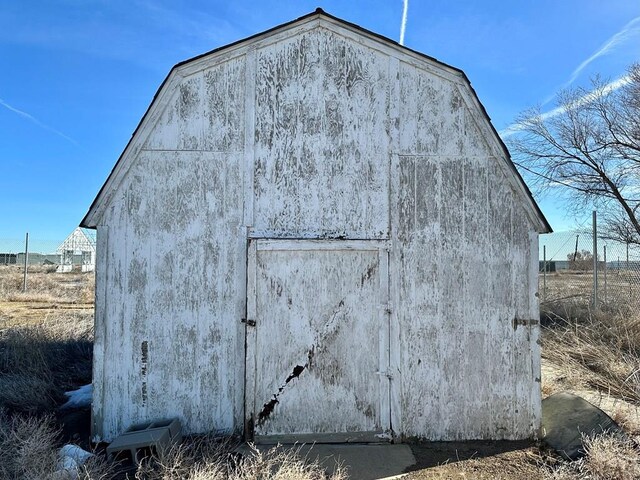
[590, 146]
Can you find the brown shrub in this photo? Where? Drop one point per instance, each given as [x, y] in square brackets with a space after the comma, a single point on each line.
[562, 472]
[29, 451]
[27, 393]
[27, 448]
[212, 459]
[607, 457]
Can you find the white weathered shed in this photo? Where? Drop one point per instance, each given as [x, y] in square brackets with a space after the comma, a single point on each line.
[316, 232]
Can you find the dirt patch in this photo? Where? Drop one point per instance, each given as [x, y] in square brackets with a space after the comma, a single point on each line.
[27, 313]
[476, 460]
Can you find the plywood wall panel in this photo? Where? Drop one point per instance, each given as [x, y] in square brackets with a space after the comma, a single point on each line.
[173, 309]
[321, 143]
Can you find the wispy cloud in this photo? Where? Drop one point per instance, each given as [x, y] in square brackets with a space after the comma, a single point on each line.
[628, 31]
[608, 88]
[31, 118]
[403, 24]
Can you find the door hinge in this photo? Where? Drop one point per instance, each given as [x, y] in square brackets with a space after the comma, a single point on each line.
[524, 322]
[250, 323]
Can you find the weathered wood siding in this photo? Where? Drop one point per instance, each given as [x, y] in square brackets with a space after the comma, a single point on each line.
[175, 260]
[463, 283]
[317, 366]
[321, 145]
[317, 132]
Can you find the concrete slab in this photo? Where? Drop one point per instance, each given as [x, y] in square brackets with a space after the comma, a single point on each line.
[362, 461]
[566, 417]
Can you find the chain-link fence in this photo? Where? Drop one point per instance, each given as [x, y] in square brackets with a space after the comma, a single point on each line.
[569, 259]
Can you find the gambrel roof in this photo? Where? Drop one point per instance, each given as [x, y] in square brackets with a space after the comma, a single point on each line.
[92, 218]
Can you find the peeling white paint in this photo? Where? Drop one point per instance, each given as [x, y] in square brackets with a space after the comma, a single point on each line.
[324, 378]
[322, 152]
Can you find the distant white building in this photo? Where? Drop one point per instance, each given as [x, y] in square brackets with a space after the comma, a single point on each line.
[79, 248]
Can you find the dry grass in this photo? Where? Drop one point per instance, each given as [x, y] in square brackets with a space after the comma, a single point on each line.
[43, 351]
[214, 459]
[45, 285]
[39, 362]
[607, 458]
[575, 286]
[597, 350]
[29, 451]
[611, 458]
[27, 448]
[596, 353]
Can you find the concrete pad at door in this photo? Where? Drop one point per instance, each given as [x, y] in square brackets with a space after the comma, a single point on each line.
[566, 417]
[362, 461]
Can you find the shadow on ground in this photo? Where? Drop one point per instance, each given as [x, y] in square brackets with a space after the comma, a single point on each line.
[432, 454]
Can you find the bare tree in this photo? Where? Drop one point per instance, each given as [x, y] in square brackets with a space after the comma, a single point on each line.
[580, 260]
[589, 145]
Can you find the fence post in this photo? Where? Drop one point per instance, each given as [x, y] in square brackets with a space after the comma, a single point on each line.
[595, 261]
[26, 262]
[628, 272]
[544, 274]
[605, 274]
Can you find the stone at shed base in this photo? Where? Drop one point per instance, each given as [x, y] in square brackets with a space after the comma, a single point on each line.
[566, 417]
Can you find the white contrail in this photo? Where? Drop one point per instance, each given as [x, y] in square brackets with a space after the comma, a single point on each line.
[403, 25]
[630, 29]
[608, 88]
[36, 121]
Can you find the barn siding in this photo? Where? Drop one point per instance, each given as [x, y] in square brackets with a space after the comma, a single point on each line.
[205, 113]
[463, 259]
[321, 161]
[311, 137]
[174, 342]
[463, 277]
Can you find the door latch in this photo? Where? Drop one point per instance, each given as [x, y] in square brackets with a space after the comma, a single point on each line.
[250, 323]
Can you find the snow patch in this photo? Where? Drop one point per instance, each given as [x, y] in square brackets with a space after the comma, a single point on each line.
[79, 398]
[70, 458]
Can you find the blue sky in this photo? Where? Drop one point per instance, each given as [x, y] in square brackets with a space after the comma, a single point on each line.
[76, 76]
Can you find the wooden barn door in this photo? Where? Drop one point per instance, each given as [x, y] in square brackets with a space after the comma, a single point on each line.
[317, 341]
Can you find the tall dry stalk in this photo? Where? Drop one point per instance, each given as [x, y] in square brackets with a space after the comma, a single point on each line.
[214, 459]
[600, 350]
